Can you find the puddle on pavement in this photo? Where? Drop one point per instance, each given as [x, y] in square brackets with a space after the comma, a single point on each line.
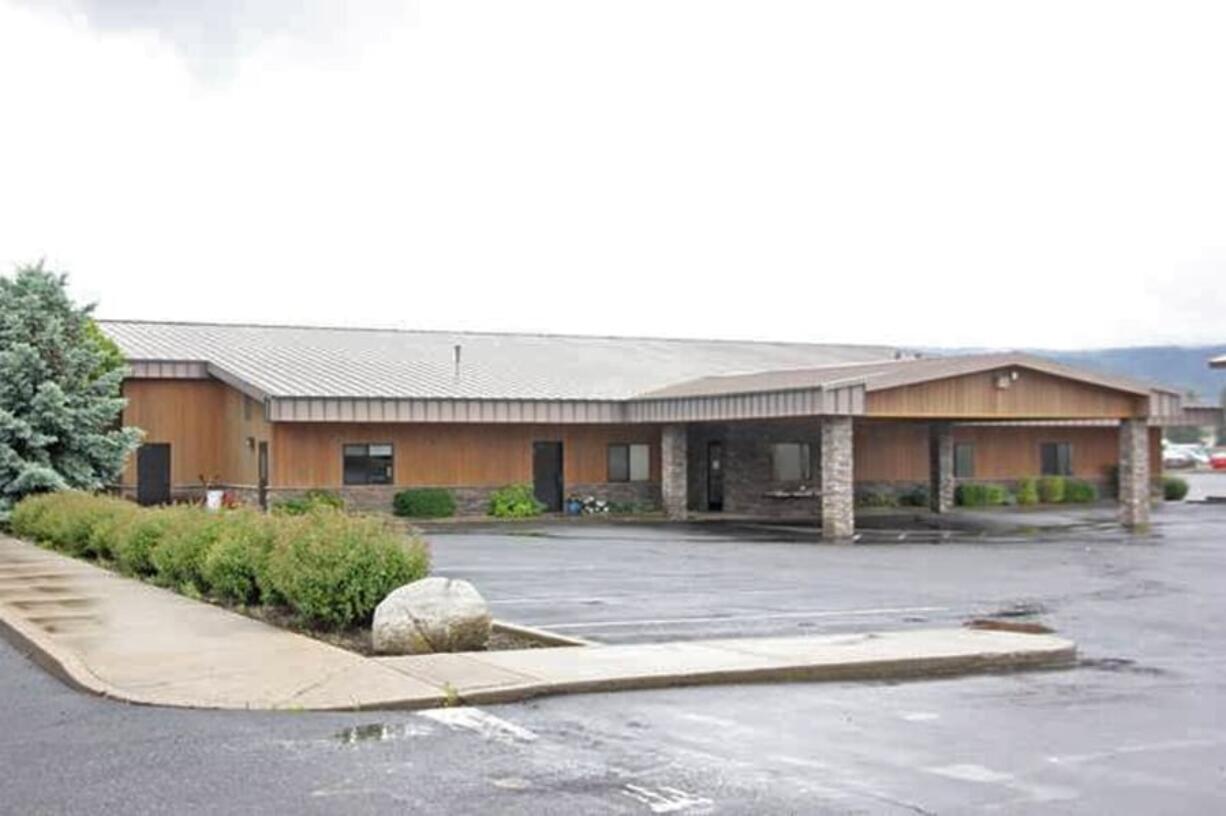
[1020, 609]
[381, 732]
[1121, 665]
[1025, 628]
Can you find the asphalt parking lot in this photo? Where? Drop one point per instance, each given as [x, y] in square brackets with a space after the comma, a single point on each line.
[1139, 726]
[632, 583]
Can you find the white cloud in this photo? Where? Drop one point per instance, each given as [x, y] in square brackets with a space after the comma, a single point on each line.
[938, 173]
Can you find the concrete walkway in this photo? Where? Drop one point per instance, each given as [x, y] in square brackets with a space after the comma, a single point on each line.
[131, 641]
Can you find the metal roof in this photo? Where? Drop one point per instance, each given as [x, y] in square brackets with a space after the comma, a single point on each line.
[878, 376]
[281, 362]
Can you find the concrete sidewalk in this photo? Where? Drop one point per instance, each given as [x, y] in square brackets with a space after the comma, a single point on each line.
[125, 639]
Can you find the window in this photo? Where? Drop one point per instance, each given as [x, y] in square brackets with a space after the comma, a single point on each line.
[368, 464]
[1056, 459]
[791, 462]
[629, 463]
[964, 460]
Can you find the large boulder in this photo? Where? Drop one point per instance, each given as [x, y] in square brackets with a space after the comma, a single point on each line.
[431, 615]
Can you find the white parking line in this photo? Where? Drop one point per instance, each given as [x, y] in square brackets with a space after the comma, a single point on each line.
[480, 722]
[822, 613]
[546, 600]
[665, 799]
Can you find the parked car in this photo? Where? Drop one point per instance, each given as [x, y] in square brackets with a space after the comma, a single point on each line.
[1184, 456]
[1178, 458]
[1217, 461]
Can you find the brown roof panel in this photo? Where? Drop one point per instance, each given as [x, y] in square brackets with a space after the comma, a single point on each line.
[879, 376]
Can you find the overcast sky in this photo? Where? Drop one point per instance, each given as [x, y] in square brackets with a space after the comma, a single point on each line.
[921, 173]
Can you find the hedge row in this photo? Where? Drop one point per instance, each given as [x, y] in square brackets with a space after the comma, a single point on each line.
[1048, 490]
[329, 567]
[424, 502]
[916, 496]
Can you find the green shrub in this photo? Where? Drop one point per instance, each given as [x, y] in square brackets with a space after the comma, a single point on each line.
[69, 520]
[629, 508]
[1173, 489]
[28, 516]
[1028, 491]
[106, 531]
[330, 567]
[236, 567]
[917, 496]
[1052, 489]
[178, 558]
[309, 501]
[334, 569]
[137, 540]
[424, 502]
[1113, 480]
[972, 494]
[869, 497]
[515, 501]
[1077, 491]
[59, 520]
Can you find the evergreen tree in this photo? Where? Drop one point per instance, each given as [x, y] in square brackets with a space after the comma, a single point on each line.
[60, 397]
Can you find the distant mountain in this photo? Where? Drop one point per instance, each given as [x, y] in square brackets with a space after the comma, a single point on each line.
[1182, 367]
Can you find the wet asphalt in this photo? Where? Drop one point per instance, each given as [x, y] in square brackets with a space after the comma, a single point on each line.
[1138, 727]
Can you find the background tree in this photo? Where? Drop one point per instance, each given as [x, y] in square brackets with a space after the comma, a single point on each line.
[59, 392]
[1185, 434]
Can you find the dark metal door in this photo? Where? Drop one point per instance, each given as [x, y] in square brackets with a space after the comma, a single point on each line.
[153, 473]
[547, 474]
[715, 476]
[262, 463]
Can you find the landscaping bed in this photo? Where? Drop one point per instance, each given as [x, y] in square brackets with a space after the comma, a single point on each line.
[309, 567]
[320, 567]
[357, 639]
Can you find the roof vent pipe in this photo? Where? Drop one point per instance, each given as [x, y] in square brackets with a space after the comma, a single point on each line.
[457, 361]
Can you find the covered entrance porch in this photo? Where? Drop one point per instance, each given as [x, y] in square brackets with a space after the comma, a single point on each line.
[752, 446]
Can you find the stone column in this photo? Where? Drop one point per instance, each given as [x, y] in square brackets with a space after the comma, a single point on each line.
[1134, 473]
[941, 467]
[838, 505]
[674, 482]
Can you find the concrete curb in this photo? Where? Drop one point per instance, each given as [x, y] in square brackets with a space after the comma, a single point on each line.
[541, 635]
[158, 648]
[59, 663]
[64, 666]
[934, 668]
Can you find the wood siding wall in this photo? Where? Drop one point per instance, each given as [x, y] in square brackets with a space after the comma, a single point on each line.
[243, 428]
[309, 454]
[205, 424]
[898, 451]
[1034, 395]
[890, 451]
